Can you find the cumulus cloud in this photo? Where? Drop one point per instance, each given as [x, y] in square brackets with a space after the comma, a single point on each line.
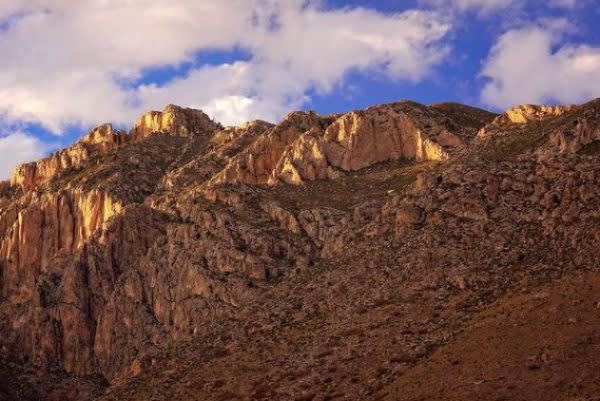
[529, 65]
[17, 148]
[68, 62]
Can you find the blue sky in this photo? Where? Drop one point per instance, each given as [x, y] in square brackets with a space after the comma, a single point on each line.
[69, 66]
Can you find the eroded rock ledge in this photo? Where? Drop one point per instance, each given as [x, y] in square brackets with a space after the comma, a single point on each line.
[305, 147]
[100, 140]
[173, 120]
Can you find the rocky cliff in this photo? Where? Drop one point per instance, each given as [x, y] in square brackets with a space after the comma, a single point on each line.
[305, 147]
[173, 120]
[322, 257]
[100, 140]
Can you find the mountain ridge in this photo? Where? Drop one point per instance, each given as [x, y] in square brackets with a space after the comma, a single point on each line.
[183, 246]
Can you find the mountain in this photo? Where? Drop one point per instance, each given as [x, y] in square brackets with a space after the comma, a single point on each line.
[402, 252]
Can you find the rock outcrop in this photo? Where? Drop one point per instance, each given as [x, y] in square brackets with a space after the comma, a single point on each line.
[574, 133]
[45, 295]
[173, 120]
[255, 165]
[566, 129]
[525, 113]
[360, 139]
[522, 115]
[223, 145]
[100, 140]
[306, 147]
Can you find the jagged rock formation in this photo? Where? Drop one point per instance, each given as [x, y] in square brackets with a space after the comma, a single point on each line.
[255, 165]
[323, 257]
[577, 132]
[100, 140]
[525, 113]
[569, 128]
[42, 290]
[521, 115]
[173, 120]
[306, 147]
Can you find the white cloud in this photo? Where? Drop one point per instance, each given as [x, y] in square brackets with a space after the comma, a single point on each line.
[64, 62]
[529, 65]
[17, 148]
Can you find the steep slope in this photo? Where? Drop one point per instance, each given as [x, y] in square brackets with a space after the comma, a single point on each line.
[531, 346]
[60, 207]
[465, 116]
[306, 147]
[318, 258]
[410, 276]
[100, 140]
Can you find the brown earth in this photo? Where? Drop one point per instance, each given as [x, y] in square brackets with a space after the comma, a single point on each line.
[402, 252]
[539, 344]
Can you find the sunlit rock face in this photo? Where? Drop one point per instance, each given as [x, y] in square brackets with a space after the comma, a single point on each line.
[570, 128]
[306, 147]
[173, 120]
[39, 234]
[360, 139]
[521, 115]
[100, 140]
[528, 112]
[255, 165]
[34, 232]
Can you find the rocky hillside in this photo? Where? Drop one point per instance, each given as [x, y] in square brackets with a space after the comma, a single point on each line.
[402, 252]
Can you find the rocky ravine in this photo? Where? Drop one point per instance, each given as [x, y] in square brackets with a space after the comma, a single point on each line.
[324, 257]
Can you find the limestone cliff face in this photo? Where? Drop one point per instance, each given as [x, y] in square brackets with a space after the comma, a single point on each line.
[306, 147]
[196, 272]
[40, 233]
[40, 226]
[362, 138]
[224, 145]
[256, 164]
[573, 139]
[173, 120]
[100, 140]
[522, 115]
[570, 128]
[528, 112]
[91, 287]
[59, 256]
[305, 159]
[84, 276]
